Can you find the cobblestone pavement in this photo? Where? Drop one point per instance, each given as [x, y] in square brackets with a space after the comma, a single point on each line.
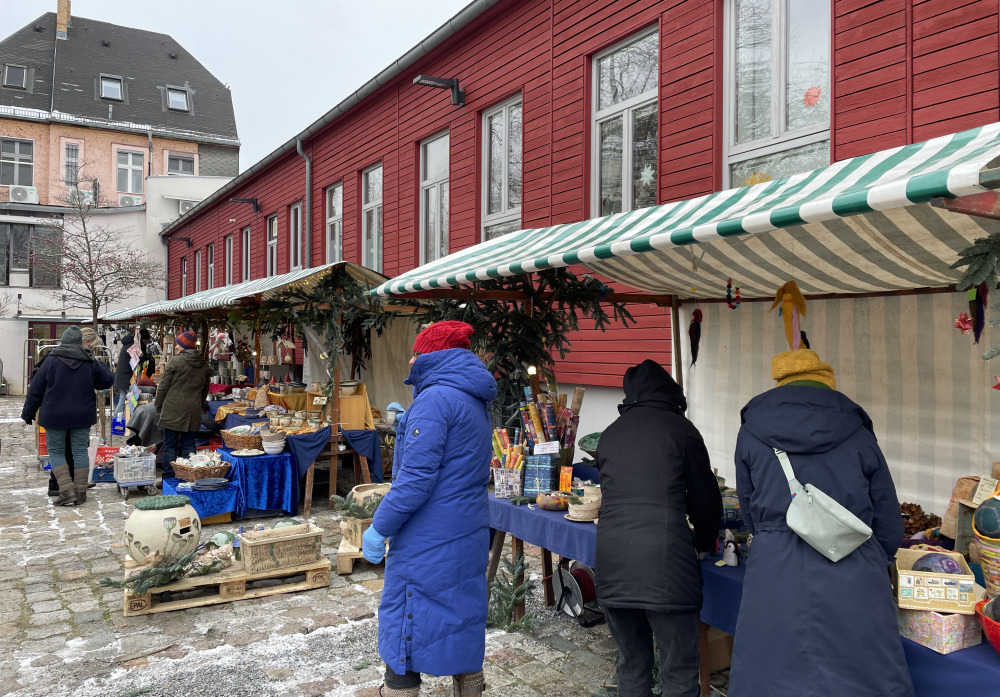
[63, 634]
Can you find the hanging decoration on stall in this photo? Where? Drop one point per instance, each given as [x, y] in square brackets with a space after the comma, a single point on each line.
[963, 323]
[792, 306]
[977, 308]
[997, 385]
[694, 334]
[982, 270]
[733, 301]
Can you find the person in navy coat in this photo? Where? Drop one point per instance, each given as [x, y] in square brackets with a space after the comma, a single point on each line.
[432, 617]
[807, 625]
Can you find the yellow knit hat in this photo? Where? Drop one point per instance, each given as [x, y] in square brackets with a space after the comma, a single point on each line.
[801, 364]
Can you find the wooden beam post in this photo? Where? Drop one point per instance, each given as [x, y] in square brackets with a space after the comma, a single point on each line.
[675, 357]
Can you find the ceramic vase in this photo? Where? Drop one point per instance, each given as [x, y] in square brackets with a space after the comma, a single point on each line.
[165, 524]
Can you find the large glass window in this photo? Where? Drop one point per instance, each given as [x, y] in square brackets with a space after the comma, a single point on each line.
[434, 198]
[177, 98]
[197, 271]
[295, 252]
[371, 218]
[272, 246]
[15, 76]
[229, 260]
[72, 156]
[130, 174]
[502, 169]
[245, 255]
[17, 162]
[211, 266]
[779, 85]
[625, 126]
[335, 223]
[30, 248]
[111, 87]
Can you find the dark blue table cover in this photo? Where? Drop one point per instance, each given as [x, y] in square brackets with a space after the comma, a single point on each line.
[306, 446]
[365, 442]
[266, 482]
[972, 671]
[206, 503]
[216, 404]
[234, 420]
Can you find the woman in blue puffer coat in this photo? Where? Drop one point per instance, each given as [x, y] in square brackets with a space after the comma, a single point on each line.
[432, 617]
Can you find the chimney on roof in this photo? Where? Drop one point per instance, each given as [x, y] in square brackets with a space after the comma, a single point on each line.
[62, 19]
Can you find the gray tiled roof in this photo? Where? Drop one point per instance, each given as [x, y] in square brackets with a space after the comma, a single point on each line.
[142, 58]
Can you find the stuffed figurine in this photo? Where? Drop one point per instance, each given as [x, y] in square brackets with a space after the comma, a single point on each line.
[731, 554]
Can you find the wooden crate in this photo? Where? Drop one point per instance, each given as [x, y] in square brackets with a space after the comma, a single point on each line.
[347, 554]
[226, 586]
[280, 548]
[354, 529]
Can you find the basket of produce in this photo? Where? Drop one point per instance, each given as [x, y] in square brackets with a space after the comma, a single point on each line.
[192, 473]
[236, 439]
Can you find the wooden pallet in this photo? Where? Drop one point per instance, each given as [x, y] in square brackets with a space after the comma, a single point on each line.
[229, 585]
[346, 556]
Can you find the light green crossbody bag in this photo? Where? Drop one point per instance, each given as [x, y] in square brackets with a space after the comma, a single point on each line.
[828, 527]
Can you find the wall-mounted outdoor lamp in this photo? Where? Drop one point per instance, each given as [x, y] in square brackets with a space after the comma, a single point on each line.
[180, 239]
[256, 206]
[445, 83]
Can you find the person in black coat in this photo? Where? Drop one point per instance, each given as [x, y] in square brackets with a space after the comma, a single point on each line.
[655, 478]
[64, 390]
[123, 371]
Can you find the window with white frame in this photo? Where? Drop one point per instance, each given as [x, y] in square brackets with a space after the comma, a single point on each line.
[71, 157]
[177, 99]
[335, 223]
[197, 271]
[245, 255]
[15, 76]
[17, 158]
[502, 169]
[778, 89]
[180, 164]
[211, 267]
[295, 252]
[184, 276]
[625, 125]
[130, 172]
[272, 246]
[35, 249]
[434, 198]
[111, 87]
[371, 218]
[229, 260]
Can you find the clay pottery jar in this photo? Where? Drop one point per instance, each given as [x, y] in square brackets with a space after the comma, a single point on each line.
[165, 524]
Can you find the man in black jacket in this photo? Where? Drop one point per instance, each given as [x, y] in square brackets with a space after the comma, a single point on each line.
[655, 479]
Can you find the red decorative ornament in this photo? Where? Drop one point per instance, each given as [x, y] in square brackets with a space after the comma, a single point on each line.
[963, 323]
[996, 386]
[732, 301]
[812, 96]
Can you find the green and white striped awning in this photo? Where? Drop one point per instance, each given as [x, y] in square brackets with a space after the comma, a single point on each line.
[858, 226]
[240, 294]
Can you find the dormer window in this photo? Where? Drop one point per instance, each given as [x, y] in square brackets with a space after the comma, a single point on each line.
[111, 87]
[15, 76]
[177, 99]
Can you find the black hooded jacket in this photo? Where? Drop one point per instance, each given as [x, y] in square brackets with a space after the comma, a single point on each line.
[64, 388]
[655, 475]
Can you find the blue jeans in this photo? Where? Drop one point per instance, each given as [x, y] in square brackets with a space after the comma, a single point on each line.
[120, 407]
[79, 440]
[176, 444]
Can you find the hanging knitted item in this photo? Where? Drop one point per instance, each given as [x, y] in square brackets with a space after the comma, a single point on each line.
[977, 308]
[694, 334]
[732, 301]
[793, 306]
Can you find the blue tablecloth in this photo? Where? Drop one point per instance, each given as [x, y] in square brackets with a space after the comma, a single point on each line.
[306, 446]
[365, 442]
[216, 404]
[973, 671]
[234, 420]
[206, 503]
[266, 482]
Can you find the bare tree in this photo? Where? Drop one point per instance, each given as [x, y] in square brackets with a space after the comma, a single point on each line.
[89, 263]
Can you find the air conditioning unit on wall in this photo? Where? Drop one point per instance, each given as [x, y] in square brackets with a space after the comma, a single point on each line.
[23, 194]
[81, 196]
[129, 200]
[184, 206]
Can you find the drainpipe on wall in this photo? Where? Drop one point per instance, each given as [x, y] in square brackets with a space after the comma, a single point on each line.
[150, 168]
[307, 223]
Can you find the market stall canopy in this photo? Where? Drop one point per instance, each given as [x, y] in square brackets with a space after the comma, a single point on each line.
[248, 293]
[861, 225]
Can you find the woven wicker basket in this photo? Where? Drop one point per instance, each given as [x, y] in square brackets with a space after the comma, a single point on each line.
[193, 474]
[237, 441]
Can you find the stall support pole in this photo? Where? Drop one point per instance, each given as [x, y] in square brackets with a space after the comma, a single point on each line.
[675, 353]
[256, 348]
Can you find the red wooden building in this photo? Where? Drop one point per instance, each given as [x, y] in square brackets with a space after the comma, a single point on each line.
[572, 109]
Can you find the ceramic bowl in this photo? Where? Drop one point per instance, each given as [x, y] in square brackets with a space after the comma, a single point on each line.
[296, 422]
[274, 447]
[285, 421]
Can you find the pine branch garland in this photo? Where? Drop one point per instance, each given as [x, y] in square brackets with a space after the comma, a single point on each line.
[982, 262]
[349, 507]
[156, 576]
[506, 593]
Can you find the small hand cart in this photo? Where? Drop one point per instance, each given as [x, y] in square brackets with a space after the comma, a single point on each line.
[135, 471]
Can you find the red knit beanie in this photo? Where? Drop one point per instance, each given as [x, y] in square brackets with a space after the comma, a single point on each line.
[443, 335]
[187, 340]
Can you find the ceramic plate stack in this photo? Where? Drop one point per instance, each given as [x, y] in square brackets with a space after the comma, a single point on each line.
[212, 484]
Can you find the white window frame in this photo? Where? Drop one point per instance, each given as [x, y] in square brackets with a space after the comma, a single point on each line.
[121, 87]
[189, 157]
[228, 245]
[131, 167]
[334, 225]
[440, 184]
[272, 245]
[19, 161]
[78, 143]
[6, 76]
[624, 110]
[374, 264]
[295, 251]
[184, 276]
[187, 99]
[507, 213]
[197, 271]
[245, 254]
[210, 254]
[784, 140]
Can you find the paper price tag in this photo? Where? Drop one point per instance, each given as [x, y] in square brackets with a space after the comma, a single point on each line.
[987, 485]
[550, 448]
[319, 401]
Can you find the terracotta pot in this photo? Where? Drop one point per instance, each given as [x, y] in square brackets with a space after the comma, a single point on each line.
[165, 524]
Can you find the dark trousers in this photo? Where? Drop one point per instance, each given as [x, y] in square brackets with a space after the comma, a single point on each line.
[401, 682]
[176, 444]
[676, 636]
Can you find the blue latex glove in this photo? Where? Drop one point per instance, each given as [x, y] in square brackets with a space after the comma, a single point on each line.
[373, 545]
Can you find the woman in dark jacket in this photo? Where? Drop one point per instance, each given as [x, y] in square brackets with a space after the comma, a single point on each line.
[807, 625]
[655, 477]
[123, 371]
[179, 398]
[64, 390]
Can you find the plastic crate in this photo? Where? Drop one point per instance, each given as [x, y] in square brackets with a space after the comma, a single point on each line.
[105, 455]
[104, 474]
[135, 469]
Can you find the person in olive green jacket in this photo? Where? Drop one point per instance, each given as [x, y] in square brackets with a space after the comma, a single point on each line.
[179, 399]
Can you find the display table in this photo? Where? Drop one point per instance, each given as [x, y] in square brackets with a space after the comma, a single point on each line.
[206, 503]
[973, 671]
[219, 389]
[265, 482]
[292, 402]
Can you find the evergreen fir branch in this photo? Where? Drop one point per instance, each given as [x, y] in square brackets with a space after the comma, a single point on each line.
[506, 593]
[992, 353]
[349, 507]
[157, 576]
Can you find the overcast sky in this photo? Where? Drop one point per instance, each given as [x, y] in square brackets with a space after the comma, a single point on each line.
[287, 61]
